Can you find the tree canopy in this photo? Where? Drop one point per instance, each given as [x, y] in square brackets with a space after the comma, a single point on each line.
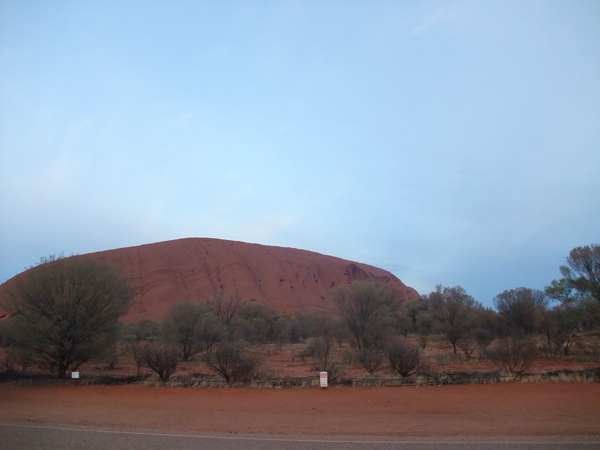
[453, 312]
[582, 270]
[192, 327]
[367, 308]
[522, 309]
[65, 311]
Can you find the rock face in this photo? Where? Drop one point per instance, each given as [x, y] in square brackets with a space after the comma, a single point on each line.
[198, 268]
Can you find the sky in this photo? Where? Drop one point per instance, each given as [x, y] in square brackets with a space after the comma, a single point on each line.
[450, 142]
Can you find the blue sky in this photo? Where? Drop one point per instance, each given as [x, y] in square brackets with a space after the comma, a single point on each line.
[451, 142]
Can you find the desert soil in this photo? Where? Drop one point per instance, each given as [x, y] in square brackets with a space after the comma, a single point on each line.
[504, 409]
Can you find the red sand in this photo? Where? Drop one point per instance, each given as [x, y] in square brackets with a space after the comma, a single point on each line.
[507, 409]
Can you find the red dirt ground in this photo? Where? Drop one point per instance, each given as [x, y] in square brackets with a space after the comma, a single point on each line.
[504, 409]
[284, 362]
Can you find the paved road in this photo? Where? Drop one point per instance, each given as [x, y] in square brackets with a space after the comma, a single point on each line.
[42, 437]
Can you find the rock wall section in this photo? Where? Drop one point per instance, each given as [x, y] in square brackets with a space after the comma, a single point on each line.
[198, 268]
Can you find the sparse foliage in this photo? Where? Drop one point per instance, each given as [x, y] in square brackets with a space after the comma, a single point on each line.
[558, 326]
[468, 344]
[512, 354]
[371, 359]
[370, 311]
[582, 270]
[563, 291]
[161, 358]
[323, 328]
[136, 349]
[453, 312]
[192, 327]
[233, 361]
[227, 308]
[367, 308]
[319, 349]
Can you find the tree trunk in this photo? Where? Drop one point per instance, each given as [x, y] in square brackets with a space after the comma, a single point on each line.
[62, 370]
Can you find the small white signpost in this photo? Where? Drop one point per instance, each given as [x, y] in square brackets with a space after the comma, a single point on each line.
[323, 380]
[74, 375]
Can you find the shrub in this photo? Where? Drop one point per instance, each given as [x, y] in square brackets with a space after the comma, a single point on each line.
[191, 327]
[65, 311]
[511, 354]
[371, 359]
[161, 358]
[233, 361]
[468, 345]
[404, 358]
[319, 349]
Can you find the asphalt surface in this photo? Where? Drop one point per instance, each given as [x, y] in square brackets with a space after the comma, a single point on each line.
[25, 437]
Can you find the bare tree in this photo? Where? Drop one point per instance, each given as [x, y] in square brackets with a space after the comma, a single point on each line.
[227, 307]
[468, 344]
[137, 353]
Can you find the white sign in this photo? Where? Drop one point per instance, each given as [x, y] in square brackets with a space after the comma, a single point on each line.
[74, 375]
[323, 379]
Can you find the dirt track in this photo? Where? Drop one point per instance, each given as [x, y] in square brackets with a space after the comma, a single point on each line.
[500, 409]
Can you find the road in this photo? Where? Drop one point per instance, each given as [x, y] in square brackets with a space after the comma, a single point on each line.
[25, 437]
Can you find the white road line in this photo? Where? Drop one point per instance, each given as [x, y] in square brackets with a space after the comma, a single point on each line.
[282, 439]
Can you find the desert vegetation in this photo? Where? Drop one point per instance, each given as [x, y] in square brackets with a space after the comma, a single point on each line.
[65, 317]
[65, 312]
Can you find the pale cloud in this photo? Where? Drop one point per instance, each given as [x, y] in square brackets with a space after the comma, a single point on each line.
[438, 14]
[453, 159]
[185, 118]
[267, 229]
